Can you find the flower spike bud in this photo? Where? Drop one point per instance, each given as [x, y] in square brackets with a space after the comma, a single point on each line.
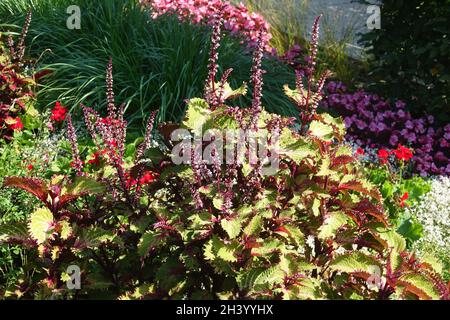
[148, 136]
[20, 52]
[77, 164]
[210, 90]
[109, 90]
[257, 78]
[10, 44]
[315, 41]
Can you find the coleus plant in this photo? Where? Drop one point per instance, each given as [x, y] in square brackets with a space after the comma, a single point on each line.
[16, 85]
[86, 214]
[56, 233]
[315, 229]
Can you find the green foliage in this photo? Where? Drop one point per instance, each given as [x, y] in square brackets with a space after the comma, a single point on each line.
[17, 85]
[412, 62]
[28, 147]
[392, 187]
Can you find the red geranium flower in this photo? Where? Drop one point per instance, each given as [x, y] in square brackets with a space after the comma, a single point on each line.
[59, 113]
[130, 181]
[95, 159]
[404, 197]
[383, 155]
[14, 123]
[148, 177]
[360, 152]
[402, 153]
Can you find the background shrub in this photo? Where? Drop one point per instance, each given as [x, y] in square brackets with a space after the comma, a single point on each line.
[32, 153]
[411, 55]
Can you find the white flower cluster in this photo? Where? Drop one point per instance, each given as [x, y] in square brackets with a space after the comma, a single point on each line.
[433, 212]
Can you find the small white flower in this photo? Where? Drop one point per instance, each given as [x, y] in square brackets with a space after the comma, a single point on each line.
[433, 212]
[340, 250]
[310, 241]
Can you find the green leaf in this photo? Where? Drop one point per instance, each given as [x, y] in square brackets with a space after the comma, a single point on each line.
[14, 230]
[247, 279]
[337, 123]
[309, 289]
[324, 169]
[84, 185]
[227, 253]
[268, 247]
[332, 223]
[216, 248]
[344, 150]
[315, 208]
[40, 224]
[148, 241]
[222, 121]
[197, 114]
[433, 261]
[254, 226]
[294, 147]
[66, 229]
[259, 279]
[270, 276]
[232, 226]
[200, 220]
[354, 262]
[291, 265]
[410, 229]
[295, 234]
[395, 243]
[218, 203]
[94, 236]
[321, 130]
[295, 95]
[229, 93]
[419, 285]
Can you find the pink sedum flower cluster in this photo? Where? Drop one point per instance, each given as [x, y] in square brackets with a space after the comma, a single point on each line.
[237, 19]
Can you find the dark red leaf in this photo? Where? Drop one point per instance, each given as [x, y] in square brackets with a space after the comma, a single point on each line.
[34, 186]
[368, 208]
[341, 160]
